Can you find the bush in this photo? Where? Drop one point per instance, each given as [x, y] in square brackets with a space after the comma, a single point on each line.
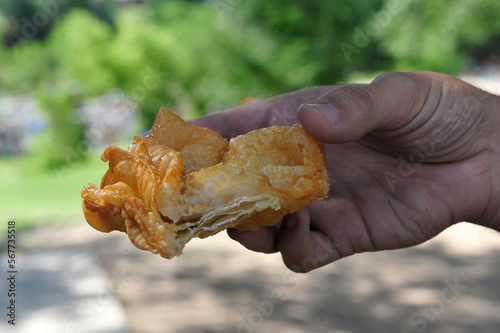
[66, 146]
[29, 20]
[439, 36]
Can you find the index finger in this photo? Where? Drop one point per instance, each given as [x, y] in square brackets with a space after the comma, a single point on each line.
[279, 110]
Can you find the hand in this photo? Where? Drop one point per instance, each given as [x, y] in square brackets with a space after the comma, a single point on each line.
[408, 155]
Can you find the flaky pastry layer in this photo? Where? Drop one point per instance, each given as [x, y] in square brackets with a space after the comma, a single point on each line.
[183, 181]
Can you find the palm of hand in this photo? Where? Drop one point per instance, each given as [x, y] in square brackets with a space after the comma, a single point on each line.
[378, 201]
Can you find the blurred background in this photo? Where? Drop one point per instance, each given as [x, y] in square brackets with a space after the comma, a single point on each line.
[77, 76]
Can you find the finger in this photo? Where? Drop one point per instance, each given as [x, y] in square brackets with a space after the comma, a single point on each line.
[293, 239]
[262, 240]
[303, 249]
[340, 219]
[347, 113]
[279, 110]
[235, 121]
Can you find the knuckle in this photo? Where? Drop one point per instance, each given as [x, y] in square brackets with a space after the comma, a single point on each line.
[410, 80]
[296, 266]
[356, 101]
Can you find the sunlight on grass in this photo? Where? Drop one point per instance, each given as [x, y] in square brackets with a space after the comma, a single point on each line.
[40, 197]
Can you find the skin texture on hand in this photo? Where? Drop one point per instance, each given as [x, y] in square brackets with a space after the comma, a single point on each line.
[408, 155]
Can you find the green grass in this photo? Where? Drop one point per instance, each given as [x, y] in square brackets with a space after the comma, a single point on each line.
[33, 196]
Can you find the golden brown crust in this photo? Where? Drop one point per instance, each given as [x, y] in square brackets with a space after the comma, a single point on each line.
[183, 181]
[199, 147]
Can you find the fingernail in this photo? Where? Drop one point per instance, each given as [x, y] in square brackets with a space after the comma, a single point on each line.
[326, 111]
[291, 221]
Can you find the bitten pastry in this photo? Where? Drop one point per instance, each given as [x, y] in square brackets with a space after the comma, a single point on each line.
[183, 181]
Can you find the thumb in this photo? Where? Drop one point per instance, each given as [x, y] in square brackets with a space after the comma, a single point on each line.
[349, 112]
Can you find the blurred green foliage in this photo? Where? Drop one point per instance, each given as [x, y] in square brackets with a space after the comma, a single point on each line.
[197, 57]
[440, 35]
[66, 141]
[33, 19]
[316, 30]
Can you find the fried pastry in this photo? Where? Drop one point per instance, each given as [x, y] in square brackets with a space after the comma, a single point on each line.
[183, 181]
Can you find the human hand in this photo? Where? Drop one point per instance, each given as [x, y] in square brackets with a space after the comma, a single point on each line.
[408, 155]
